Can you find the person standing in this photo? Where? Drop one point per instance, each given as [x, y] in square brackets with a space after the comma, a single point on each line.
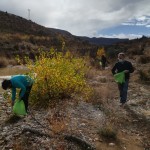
[123, 66]
[22, 82]
[103, 60]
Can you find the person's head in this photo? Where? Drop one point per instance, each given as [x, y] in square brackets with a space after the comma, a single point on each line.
[6, 84]
[121, 56]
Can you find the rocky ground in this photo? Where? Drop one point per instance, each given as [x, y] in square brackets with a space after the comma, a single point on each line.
[76, 125]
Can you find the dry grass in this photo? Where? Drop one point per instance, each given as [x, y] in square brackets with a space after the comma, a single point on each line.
[12, 62]
[3, 62]
[141, 102]
[144, 59]
[146, 113]
[144, 75]
[104, 90]
[104, 96]
[103, 80]
[108, 133]
[103, 93]
[58, 119]
[91, 73]
[13, 70]
[23, 143]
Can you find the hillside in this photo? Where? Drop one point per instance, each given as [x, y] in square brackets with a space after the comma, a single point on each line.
[10, 23]
[24, 37]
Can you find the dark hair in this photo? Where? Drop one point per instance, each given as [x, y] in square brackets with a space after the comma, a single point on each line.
[6, 84]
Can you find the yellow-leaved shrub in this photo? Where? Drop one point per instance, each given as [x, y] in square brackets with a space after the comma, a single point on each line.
[57, 76]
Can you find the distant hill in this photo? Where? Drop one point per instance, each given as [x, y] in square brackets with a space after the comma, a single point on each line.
[21, 36]
[10, 23]
[103, 41]
[25, 37]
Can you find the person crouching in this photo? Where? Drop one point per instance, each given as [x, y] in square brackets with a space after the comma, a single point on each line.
[24, 83]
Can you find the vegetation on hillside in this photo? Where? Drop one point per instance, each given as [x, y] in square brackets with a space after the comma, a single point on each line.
[20, 36]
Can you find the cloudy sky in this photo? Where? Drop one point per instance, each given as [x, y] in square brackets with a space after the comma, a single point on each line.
[93, 18]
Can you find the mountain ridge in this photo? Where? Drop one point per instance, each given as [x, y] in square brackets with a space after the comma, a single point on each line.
[11, 23]
[102, 40]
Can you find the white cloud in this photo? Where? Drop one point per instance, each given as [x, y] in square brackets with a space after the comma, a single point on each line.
[128, 23]
[80, 17]
[141, 18]
[138, 21]
[122, 36]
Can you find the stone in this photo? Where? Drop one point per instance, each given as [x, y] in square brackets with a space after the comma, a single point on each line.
[111, 144]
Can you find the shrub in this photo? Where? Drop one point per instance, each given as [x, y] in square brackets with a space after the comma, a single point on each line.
[12, 62]
[32, 39]
[113, 51]
[108, 133]
[3, 62]
[16, 47]
[144, 59]
[144, 75]
[58, 76]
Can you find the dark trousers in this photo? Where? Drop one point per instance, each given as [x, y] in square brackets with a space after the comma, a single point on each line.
[103, 65]
[123, 89]
[26, 97]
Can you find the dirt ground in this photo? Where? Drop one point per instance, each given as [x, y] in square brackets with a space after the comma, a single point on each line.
[84, 120]
[133, 124]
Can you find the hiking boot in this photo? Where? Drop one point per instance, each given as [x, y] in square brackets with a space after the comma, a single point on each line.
[122, 105]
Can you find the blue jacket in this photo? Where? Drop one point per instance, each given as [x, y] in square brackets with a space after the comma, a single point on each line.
[20, 81]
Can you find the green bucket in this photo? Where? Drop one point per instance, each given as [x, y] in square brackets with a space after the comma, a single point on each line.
[19, 108]
[120, 77]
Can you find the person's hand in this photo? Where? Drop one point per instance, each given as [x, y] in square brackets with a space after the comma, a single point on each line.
[126, 71]
[12, 103]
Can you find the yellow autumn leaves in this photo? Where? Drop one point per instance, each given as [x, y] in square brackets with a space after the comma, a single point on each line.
[58, 76]
[100, 52]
